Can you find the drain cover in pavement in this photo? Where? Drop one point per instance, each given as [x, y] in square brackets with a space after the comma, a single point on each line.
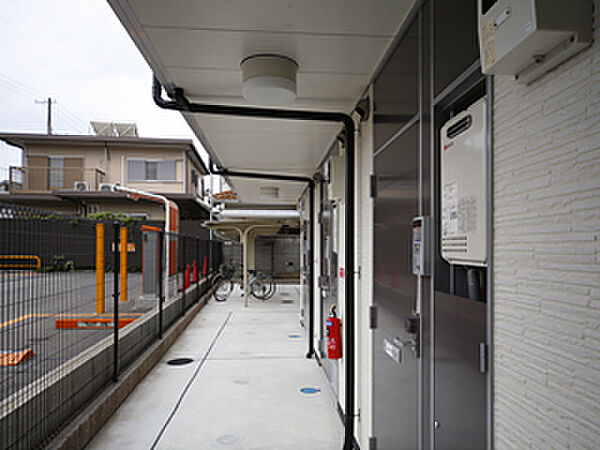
[310, 390]
[179, 361]
[242, 382]
[227, 439]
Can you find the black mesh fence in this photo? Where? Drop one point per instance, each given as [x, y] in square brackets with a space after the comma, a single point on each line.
[79, 301]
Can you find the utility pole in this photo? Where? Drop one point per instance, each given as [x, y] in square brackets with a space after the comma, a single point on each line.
[49, 102]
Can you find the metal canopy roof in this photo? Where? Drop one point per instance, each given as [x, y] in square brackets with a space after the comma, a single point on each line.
[198, 45]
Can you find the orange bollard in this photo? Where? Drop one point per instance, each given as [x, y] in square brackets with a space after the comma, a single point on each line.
[186, 281]
[204, 268]
[195, 276]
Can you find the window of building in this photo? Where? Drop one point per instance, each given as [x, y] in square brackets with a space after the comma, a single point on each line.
[56, 172]
[157, 170]
[151, 170]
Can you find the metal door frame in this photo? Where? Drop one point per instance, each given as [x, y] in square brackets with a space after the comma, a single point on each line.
[434, 101]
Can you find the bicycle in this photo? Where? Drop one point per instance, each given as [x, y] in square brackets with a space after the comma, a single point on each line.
[261, 286]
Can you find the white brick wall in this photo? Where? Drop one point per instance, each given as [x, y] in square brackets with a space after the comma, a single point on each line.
[547, 257]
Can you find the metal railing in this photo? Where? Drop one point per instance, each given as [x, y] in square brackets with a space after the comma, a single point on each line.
[47, 179]
[94, 305]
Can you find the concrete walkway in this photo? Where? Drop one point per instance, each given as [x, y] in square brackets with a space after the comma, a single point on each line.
[242, 391]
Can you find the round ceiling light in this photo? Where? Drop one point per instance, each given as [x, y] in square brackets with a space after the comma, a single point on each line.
[269, 80]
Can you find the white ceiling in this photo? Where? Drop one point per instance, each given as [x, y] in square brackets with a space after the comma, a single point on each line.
[198, 45]
[288, 191]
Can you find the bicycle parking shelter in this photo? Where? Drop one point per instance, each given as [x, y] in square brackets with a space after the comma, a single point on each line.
[247, 231]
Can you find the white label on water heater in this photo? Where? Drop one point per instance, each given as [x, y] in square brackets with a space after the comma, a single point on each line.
[450, 212]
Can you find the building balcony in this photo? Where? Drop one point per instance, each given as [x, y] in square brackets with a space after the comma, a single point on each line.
[32, 179]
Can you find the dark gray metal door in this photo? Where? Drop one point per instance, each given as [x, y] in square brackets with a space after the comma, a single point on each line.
[460, 387]
[396, 367]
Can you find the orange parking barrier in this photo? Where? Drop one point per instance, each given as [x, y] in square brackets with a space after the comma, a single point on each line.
[36, 262]
[204, 268]
[195, 273]
[15, 358]
[150, 228]
[86, 323]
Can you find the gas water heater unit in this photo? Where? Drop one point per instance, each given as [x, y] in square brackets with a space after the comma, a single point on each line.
[463, 159]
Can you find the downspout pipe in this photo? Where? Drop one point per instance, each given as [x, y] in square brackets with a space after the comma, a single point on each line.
[182, 104]
[311, 237]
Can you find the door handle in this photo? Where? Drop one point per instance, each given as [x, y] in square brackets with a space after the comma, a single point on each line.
[410, 343]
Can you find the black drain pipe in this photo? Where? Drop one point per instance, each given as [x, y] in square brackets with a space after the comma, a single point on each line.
[180, 103]
[311, 238]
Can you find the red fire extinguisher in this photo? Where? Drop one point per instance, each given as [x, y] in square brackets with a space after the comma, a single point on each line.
[334, 335]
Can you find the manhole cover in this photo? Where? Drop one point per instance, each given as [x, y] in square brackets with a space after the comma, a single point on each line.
[310, 390]
[179, 361]
[227, 439]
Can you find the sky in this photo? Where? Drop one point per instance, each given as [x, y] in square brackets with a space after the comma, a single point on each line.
[78, 53]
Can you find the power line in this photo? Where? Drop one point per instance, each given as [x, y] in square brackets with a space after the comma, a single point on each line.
[16, 90]
[19, 108]
[67, 115]
[22, 86]
[61, 116]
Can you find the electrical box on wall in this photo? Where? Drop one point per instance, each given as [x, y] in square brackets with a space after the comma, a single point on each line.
[527, 38]
[337, 177]
[463, 160]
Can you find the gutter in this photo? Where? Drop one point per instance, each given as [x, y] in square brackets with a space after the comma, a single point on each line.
[180, 103]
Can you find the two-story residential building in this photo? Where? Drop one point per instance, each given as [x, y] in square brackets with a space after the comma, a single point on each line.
[73, 174]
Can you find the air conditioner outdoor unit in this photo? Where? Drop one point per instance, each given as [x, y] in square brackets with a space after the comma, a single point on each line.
[81, 186]
[106, 187]
[463, 159]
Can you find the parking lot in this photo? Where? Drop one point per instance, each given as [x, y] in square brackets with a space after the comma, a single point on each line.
[32, 302]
